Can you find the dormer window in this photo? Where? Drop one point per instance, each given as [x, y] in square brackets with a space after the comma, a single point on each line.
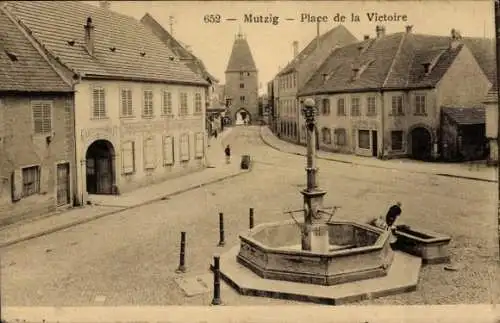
[12, 56]
[427, 67]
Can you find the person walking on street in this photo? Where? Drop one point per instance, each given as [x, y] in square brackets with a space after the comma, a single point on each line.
[227, 151]
[392, 215]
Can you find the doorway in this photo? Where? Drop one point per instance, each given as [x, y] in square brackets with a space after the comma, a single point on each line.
[63, 186]
[374, 143]
[100, 170]
[420, 139]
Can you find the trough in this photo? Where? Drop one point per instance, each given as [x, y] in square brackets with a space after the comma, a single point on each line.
[432, 247]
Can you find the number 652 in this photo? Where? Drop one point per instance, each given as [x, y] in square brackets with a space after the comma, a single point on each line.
[212, 19]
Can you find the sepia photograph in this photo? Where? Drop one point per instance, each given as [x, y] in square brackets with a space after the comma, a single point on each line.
[311, 155]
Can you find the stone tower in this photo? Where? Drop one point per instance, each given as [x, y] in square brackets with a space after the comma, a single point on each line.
[242, 84]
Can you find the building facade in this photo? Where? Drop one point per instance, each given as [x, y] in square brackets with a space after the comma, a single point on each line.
[491, 106]
[37, 151]
[389, 105]
[242, 83]
[140, 111]
[299, 71]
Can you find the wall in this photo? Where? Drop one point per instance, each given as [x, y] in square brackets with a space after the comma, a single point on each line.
[20, 147]
[250, 91]
[289, 108]
[117, 130]
[464, 83]
[492, 129]
[449, 135]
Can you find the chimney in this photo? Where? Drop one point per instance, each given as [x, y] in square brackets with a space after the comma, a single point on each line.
[366, 37]
[360, 49]
[104, 4]
[89, 36]
[355, 71]
[295, 45]
[456, 38]
[380, 31]
[408, 28]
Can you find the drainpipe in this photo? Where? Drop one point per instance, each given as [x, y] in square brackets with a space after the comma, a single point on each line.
[382, 124]
[79, 186]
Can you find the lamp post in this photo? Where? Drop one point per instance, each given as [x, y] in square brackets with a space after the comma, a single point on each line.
[313, 197]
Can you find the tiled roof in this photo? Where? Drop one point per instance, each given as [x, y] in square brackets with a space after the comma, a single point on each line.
[138, 54]
[30, 72]
[466, 115]
[241, 58]
[491, 96]
[338, 36]
[393, 61]
[193, 62]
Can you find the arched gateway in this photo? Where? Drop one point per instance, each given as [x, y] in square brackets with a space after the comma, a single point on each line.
[100, 167]
[242, 116]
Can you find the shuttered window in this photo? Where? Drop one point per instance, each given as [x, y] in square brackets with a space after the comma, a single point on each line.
[355, 108]
[168, 150]
[31, 180]
[98, 103]
[126, 103]
[166, 103]
[197, 103]
[184, 104]
[42, 116]
[149, 153]
[147, 109]
[364, 139]
[199, 145]
[184, 143]
[128, 157]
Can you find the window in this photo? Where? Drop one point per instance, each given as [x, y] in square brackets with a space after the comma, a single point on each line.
[42, 116]
[31, 180]
[420, 108]
[197, 103]
[372, 106]
[184, 142]
[147, 109]
[397, 105]
[364, 139]
[168, 151]
[126, 103]
[242, 86]
[397, 140]
[199, 145]
[128, 157]
[248, 74]
[184, 104]
[294, 80]
[166, 106]
[149, 153]
[242, 99]
[241, 75]
[340, 137]
[355, 111]
[341, 107]
[98, 103]
[325, 107]
[326, 136]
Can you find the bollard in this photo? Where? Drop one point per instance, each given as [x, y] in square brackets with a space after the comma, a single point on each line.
[182, 259]
[251, 218]
[216, 300]
[222, 241]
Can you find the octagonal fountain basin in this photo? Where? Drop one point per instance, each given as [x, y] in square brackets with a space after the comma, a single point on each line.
[355, 252]
[431, 246]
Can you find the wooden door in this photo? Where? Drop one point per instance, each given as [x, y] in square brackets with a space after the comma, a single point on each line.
[104, 176]
[63, 184]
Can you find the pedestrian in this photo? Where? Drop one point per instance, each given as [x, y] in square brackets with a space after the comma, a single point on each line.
[215, 133]
[392, 214]
[227, 151]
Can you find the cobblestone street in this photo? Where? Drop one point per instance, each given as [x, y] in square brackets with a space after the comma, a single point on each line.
[130, 258]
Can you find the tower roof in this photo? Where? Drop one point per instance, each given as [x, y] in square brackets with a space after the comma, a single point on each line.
[241, 58]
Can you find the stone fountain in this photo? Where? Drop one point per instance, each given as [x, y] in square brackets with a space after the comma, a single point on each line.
[316, 258]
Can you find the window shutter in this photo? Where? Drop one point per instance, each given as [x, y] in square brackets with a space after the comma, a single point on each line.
[38, 117]
[184, 143]
[168, 151]
[17, 185]
[199, 145]
[149, 154]
[128, 157]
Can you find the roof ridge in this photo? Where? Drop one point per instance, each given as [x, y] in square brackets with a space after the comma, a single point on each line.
[36, 44]
[396, 56]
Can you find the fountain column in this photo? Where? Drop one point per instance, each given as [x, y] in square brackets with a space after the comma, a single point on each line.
[314, 231]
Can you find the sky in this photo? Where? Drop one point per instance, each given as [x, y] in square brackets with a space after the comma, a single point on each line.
[271, 44]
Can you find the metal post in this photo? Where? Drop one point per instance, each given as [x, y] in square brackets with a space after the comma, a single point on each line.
[182, 259]
[222, 241]
[216, 300]
[251, 218]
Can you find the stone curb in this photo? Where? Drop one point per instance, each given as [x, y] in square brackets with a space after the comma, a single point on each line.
[89, 219]
[368, 165]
